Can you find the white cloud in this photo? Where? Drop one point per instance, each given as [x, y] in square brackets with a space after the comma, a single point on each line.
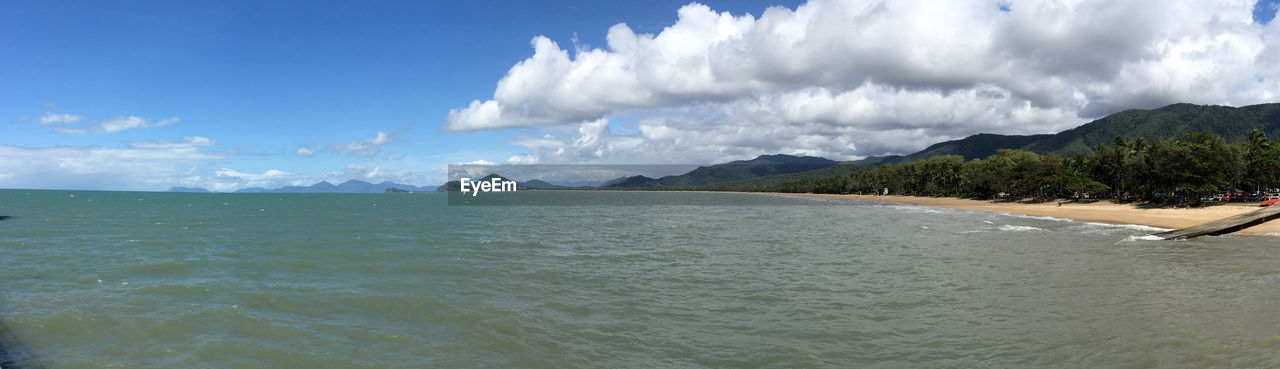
[850, 78]
[305, 151]
[366, 147]
[227, 179]
[130, 122]
[112, 125]
[137, 166]
[70, 130]
[51, 118]
[379, 174]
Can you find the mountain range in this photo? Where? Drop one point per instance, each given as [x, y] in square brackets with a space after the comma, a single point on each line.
[351, 186]
[761, 166]
[1166, 122]
[1162, 123]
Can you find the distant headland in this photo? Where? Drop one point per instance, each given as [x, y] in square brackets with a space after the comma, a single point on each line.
[350, 186]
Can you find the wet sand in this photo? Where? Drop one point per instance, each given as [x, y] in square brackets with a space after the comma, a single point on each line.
[1099, 211]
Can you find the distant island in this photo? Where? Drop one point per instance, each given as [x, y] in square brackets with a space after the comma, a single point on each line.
[350, 186]
[188, 189]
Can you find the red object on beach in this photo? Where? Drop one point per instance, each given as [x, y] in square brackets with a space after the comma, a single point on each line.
[1270, 202]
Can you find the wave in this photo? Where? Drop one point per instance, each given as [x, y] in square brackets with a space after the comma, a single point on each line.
[1008, 227]
[1039, 217]
[1141, 238]
[920, 209]
[1138, 227]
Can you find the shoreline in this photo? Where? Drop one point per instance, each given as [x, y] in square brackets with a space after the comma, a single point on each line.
[1097, 212]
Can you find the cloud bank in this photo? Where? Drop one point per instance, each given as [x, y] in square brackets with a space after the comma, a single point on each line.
[138, 166]
[847, 79]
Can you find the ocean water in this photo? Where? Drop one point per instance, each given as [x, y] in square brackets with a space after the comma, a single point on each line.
[670, 280]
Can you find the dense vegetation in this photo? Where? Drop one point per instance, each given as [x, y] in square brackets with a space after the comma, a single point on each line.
[1176, 170]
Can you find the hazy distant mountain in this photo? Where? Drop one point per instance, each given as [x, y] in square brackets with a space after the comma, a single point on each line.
[841, 169]
[351, 186]
[576, 184]
[632, 182]
[540, 184]
[764, 165]
[188, 189]
[613, 181]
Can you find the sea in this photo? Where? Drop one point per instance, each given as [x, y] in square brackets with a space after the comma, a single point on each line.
[583, 279]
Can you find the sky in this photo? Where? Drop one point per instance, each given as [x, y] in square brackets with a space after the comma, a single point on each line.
[141, 95]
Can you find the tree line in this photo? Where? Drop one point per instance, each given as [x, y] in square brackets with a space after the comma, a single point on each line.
[1182, 169]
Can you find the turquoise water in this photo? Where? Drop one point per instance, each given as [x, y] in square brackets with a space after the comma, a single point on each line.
[165, 280]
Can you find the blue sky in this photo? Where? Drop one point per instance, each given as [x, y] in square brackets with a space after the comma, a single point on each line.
[224, 95]
[265, 78]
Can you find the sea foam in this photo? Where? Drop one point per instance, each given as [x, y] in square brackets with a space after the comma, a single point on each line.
[1008, 227]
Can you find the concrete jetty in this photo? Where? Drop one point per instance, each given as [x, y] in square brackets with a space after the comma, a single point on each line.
[1224, 225]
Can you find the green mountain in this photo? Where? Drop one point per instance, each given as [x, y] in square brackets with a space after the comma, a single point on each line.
[540, 184]
[764, 165]
[1167, 122]
[977, 146]
[761, 166]
[631, 182]
[840, 169]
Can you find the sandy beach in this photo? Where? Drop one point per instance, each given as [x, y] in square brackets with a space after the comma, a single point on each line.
[1100, 211]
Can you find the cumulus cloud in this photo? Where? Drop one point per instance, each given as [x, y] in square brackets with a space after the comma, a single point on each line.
[305, 151]
[137, 166]
[366, 147]
[851, 78]
[112, 125]
[227, 179]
